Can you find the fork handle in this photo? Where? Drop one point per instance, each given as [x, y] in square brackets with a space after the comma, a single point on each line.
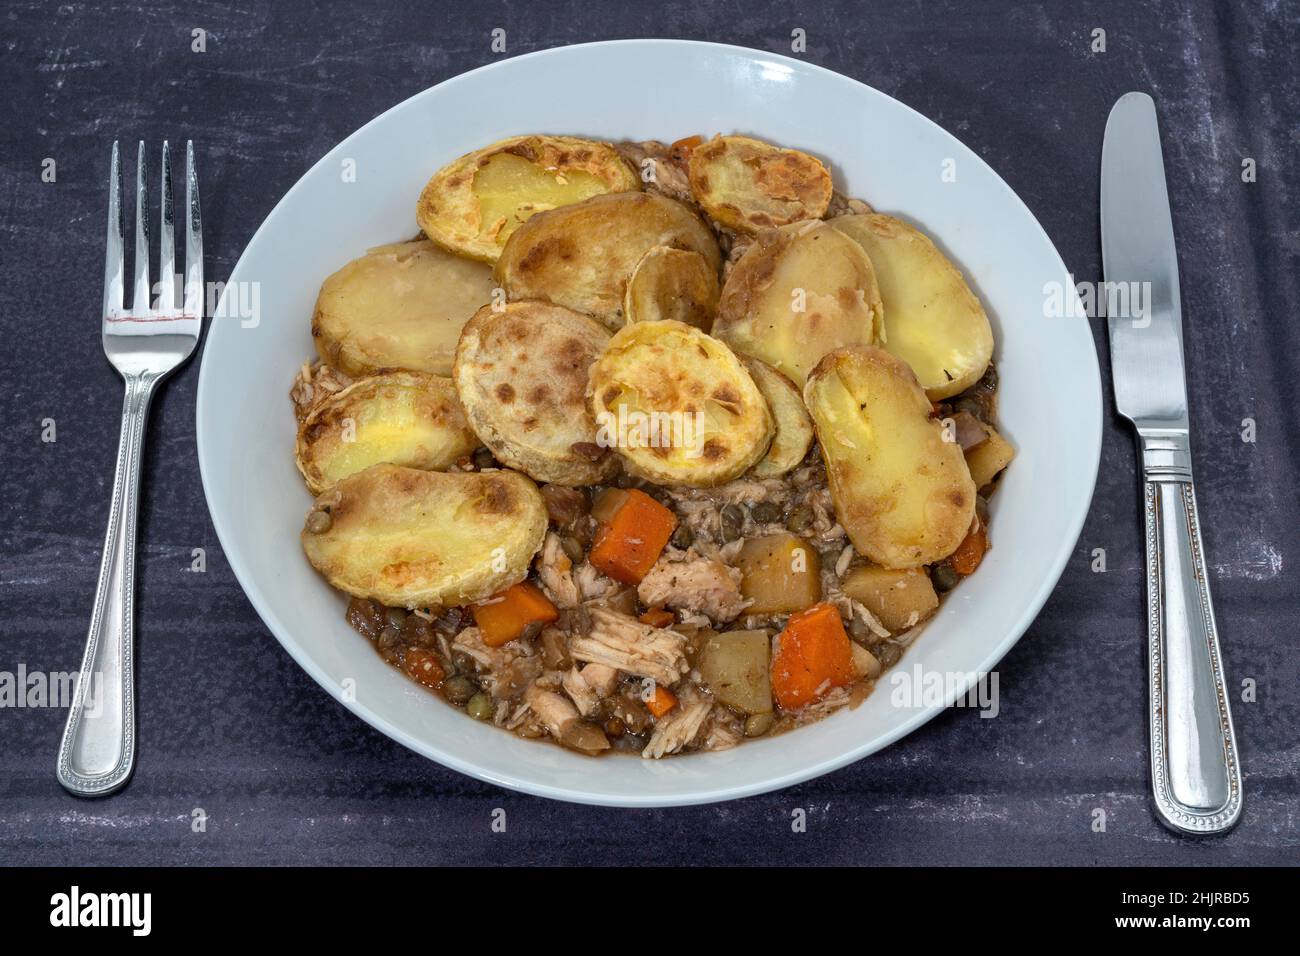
[97, 753]
[1195, 773]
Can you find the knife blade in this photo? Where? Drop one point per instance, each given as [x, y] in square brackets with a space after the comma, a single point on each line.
[1195, 767]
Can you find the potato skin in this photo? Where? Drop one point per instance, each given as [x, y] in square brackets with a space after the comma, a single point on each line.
[411, 538]
[670, 283]
[581, 256]
[748, 185]
[399, 306]
[933, 321]
[903, 494]
[473, 218]
[806, 264]
[674, 370]
[794, 429]
[403, 418]
[521, 374]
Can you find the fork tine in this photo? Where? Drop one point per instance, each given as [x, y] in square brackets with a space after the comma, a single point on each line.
[167, 239]
[113, 264]
[193, 238]
[141, 300]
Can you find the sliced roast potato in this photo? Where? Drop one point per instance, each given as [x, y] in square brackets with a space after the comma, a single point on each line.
[902, 492]
[398, 306]
[472, 205]
[404, 418]
[411, 538]
[581, 256]
[933, 321]
[748, 185]
[678, 405]
[796, 293]
[521, 373]
[675, 284]
[794, 429]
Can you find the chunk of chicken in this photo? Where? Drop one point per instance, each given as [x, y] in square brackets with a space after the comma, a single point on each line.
[505, 671]
[561, 720]
[555, 571]
[587, 687]
[678, 727]
[702, 585]
[623, 643]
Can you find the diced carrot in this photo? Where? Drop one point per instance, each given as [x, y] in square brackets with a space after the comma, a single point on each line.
[628, 545]
[970, 552]
[812, 656]
[423, 665]
[657, 617]
[504, 617]
[661, 701]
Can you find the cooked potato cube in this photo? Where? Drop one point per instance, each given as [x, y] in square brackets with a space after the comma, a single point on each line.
[736, 667]
[472, 206]
[933, 321]
[521, 373]
[675, 284]
[410, 538]
[794, 429]
[782, 574]
[398, 307]
[797, 293]
[748, 185]
[987, 459]
[581, 256]
[902, 492]
[899, 598]
[678, 406]
[404, 418]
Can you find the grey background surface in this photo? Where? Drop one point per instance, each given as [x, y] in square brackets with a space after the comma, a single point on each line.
[229, 724]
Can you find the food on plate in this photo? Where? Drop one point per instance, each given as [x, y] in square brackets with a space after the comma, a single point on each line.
[521, 373]
[678, 406]
[581, 256]
[403, 418]
[748, 185]
[933, 321]
[901, 489]
[795, 294]
[473, 205]
[409, 538]
[671, 283]
[400, 306]
[690, 463]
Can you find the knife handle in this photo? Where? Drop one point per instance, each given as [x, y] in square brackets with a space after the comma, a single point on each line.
[1195, 772]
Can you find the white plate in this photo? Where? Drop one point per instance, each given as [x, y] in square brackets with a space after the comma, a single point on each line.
[879, 150]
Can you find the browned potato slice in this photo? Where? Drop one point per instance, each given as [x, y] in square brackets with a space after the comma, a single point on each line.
[987, 459]
[736, 667]
[797, 293]
[748, 185]
[581, 256]
[782, 574]
[933, 321]
[902, 492]
[474, 204]
[794, 429]
[411, 538]
[398, 306]
[900, 599]
[678, 405]
[522, 376]
[675, 284]
[405, 418]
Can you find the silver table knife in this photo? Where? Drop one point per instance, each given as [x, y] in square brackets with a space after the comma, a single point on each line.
[1195, 769]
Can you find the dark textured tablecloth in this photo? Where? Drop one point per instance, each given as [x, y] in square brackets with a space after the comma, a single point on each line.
[229, 724]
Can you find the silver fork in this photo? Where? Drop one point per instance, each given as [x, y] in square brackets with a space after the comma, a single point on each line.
[144, 343]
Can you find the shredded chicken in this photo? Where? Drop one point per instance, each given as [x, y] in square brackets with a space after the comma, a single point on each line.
[668, 172]
[504, 671]
[592, 585]
[625, 644]
[315, 383]
[587, 687]
[679, 726]
[693, 583]
[561, 720]
[555, 571]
